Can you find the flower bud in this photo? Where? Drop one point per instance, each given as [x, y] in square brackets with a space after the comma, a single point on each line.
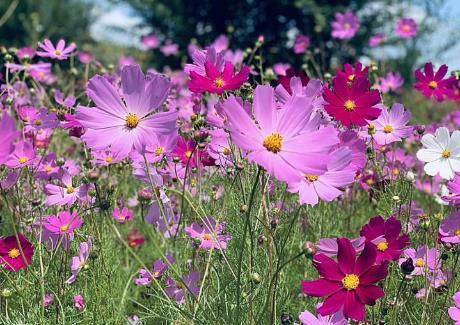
[243, 208]
[286, 319]
[309, 248]
[255, 277]
[261, 240]
[407, 267]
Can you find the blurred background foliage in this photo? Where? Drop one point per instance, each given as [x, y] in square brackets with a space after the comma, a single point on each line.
[24, 22]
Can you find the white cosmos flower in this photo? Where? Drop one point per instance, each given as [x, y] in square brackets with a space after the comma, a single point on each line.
[441, 152]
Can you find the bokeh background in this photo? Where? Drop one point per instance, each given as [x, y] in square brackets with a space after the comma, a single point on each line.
[114, 28]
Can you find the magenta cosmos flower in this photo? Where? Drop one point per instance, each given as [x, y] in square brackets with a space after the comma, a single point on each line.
[64, 223]
[406, 28]
[14, 255]
[209, 234]
[216, 81]
[302, 43]
[384, 235]
[391, 126]
[432, 84]
[282, 138]
[345, 26]
[454, 312]
[60, 52]
[349, 283]
[130, 123]
[449, 230]
[352, 104]
[122, 215]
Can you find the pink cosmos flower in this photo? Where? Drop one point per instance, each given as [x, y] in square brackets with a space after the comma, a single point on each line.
[169, 48]
[22, 156]
[25, 53]
[433, 84]
[307, 318]
[326, 185]
[209, 234]
[35, 120]
[377, 39]
[283, 137]
[79, 262]
[150, 41]
[454, 192]
[425, 259]
[14, 255]
[406, 28]
[106, 157]
[219, 148]
[123, 215]
[48, 300]
[345, 26]
[312, 90]
[167, 222]
[329, 246]
[449, 230]
[79, 302]
[8, 134]
[302, 43]
[60, 52]
[129, 124]
[85, 57]
[391, 126]
[65, 193]
[48, 168]
[349, 283]
[281, 68]
[391, 82]
[200, 57]
[454, 312]
[64, 224]
[68, 101]
[162, 148]
[285, 80]
[216, 81]
[159, 268]
[385, 236]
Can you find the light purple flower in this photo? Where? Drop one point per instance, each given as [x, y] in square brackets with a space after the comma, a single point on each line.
[60, 52]
[302, 43]
[159, 268]
[177, 291]
[8, 134]
[454, 312]
[22, 156]
[391, 126]
[307, 318]
[329, 246]
[425, 259]
[449, 230]
[454, 192]
[79, 262]
[65, 193]
[377, 39]
[79, 302]
[123, 215]
[48, 300]
[391, 82]
[209, 234]
[345, 26]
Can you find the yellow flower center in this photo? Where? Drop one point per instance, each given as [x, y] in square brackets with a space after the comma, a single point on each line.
[347, 26]
[369, 181]
[38, 122]
[188, 153]
[396, 171]
[388, 129]
[311, 178]
[350, 105]
[371, 129]
[57, 52]
[109, 160]
[14, 253]
[159, 151]
[419, 262]
[457, 232]
[406, 28]
[132, 120]
[350, 281]
[446, 154]
[433, 84]
[48, 169]
[219, 82]
[383, 246]
[64, 228]
[207, 237]
[273, 142]
[351, 77]
[23, 160]
[70, 190]
[226, 151]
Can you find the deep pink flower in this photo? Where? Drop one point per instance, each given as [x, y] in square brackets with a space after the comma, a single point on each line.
[65, 223]
[60, 52]
[349, 283]
[432, 84]
[449, 230]
[406, 28]
[302, 43]
[129, 124]
[353, 73]
[209, 234]
[282, 138]
[385, 236]
[391, 126]
[216, 81]
[136, 238]
[345, 26]
[352, 104]
[14, 255]
[79, 302]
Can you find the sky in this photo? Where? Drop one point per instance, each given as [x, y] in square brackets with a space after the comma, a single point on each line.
[117, 23]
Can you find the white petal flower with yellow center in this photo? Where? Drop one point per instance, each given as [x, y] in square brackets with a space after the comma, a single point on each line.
[441, 152]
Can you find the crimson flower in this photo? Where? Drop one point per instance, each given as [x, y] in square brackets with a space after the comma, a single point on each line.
[349, 283]
[384, 235]
[433, 84]
[216, 81]
[15, 256]
[352, 104]
[285, 80]
[351, 74]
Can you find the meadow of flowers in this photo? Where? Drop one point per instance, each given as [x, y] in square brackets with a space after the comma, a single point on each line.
[228, 192]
